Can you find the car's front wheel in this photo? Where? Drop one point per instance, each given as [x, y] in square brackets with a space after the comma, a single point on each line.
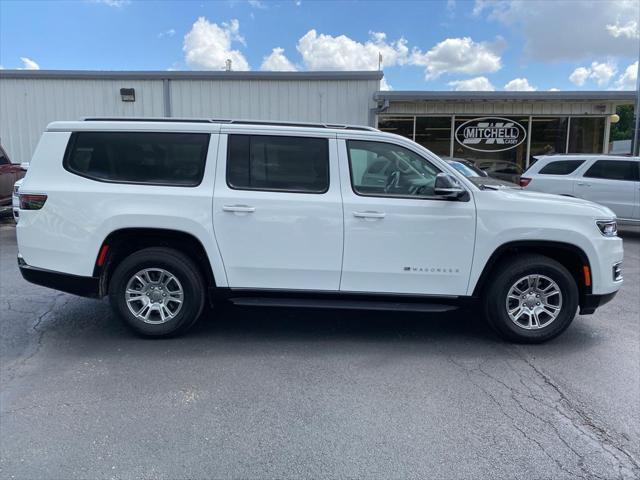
[531, 300]
[157, 291]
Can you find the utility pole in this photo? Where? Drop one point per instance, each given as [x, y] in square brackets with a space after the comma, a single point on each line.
[636, 136]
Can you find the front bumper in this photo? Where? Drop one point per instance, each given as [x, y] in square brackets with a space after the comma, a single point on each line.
[65, 282]
[590, 302]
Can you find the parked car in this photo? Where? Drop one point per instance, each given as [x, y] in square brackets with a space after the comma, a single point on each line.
[479, 177]
[163, 216]
[15, 200]
[9, 174]
[612, 181]
[501, 169]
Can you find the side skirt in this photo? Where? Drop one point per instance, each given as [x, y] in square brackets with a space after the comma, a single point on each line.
[339, 300]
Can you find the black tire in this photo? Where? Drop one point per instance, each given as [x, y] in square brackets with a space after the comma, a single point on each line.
[178, 265]
[509, 272]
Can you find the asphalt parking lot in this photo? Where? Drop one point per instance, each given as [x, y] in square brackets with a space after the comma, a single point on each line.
[272, 393]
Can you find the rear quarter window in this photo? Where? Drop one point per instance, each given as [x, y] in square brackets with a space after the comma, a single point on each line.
[560, 167]
[156, 158]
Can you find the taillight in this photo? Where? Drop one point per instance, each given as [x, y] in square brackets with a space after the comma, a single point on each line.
[29, 201]
[524, 181]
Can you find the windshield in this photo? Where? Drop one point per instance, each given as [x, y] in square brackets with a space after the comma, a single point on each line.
[466, 170]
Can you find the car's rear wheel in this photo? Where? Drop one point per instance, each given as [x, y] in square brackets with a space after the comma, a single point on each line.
[157, 292]
[531, 300]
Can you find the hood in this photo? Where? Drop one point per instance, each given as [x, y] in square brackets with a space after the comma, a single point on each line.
[553, 204]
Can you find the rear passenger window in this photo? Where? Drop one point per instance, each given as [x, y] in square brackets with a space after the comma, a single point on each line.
[614, 170]
[290, 164]
[139, 157]
[562, 167]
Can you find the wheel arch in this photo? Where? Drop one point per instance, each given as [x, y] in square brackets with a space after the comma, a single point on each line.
[572, 257]
[121, 243]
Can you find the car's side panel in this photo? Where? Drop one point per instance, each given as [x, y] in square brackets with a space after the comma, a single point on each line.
[67, 233]
[526, 221]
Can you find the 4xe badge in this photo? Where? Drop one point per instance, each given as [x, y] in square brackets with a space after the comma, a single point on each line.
[490, 134]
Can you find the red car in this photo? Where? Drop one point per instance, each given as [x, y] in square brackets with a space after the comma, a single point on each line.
[10, 173]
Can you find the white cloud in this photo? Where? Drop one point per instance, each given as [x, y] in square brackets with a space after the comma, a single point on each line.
[113, 3]
[554, 89]
[628, 80]
[600, 72]
[325, 52]
[579, 76]
[629, 29]
[458, 55]
[479, 84]
[568, 29]
[167, 33]
[277, 61]
[384, 85]
[28, 64]
[257, 4]
[519, 85]
[209, 45]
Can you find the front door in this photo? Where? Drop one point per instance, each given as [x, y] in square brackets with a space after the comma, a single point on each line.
[399, 237]
[278, 211]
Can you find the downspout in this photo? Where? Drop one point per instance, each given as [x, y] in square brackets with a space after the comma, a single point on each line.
[166, 96]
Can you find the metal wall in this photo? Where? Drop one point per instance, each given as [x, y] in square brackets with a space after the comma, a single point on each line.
[326, 101]
[28, 106]
[502, 108]
[29, 100]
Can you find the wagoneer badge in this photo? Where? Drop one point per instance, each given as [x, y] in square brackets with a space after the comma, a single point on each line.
[491, 134]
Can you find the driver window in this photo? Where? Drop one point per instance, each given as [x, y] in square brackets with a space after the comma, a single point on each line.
[384, 169]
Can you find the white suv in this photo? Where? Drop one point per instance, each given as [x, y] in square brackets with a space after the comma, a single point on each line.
[612, 181]
[164, 216]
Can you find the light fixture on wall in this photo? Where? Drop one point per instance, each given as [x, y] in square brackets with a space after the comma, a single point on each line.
[615, 118]
[128, 94]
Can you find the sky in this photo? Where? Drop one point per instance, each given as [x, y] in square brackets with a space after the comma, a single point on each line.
[423, 45]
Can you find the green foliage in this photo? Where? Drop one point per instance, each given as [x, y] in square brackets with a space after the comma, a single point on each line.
[623, 130]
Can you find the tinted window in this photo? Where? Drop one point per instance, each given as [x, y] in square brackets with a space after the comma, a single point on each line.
[136, 157]
[614, 170]
[562, 167]
[293, 164]
[384, 169]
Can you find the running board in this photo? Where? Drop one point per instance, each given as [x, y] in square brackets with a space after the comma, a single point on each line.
[341, 304]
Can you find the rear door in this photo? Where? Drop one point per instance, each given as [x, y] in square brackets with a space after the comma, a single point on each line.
[278, 210]
[612, 183]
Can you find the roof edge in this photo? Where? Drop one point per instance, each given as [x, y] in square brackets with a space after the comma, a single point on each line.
[571, 95]
[189, 75]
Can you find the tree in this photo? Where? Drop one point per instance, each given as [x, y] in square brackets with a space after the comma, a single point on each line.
[623, 130]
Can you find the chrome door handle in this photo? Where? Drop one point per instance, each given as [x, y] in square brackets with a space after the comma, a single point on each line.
[238, 208]
[369, 214]
[582, 184]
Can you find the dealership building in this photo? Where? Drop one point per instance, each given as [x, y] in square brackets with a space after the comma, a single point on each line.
[510, 127]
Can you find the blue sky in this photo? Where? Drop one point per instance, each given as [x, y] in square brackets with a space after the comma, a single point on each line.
[425, 45]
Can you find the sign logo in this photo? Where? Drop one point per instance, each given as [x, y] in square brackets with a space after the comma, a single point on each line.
[490, 134]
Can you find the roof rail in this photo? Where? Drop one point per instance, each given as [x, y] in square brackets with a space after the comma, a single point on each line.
[336, 126]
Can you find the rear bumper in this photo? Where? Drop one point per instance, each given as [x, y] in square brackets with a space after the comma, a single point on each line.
[65, 282]
[589, 303]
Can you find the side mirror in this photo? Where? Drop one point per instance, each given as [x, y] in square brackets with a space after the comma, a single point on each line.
[447, 186]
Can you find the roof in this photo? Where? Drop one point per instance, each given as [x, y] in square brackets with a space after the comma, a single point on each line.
[624, 96]
[188, 75]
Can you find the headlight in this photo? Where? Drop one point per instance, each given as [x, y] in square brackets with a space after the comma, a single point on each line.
[608, 228]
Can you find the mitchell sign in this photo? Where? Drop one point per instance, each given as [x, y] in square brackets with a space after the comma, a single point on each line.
[490, 134]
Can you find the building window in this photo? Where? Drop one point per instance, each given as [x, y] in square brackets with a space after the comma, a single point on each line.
[398, 125]
[506, 164]
[548, 136]
[586, 135]
[434, 133]
[278, 163]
